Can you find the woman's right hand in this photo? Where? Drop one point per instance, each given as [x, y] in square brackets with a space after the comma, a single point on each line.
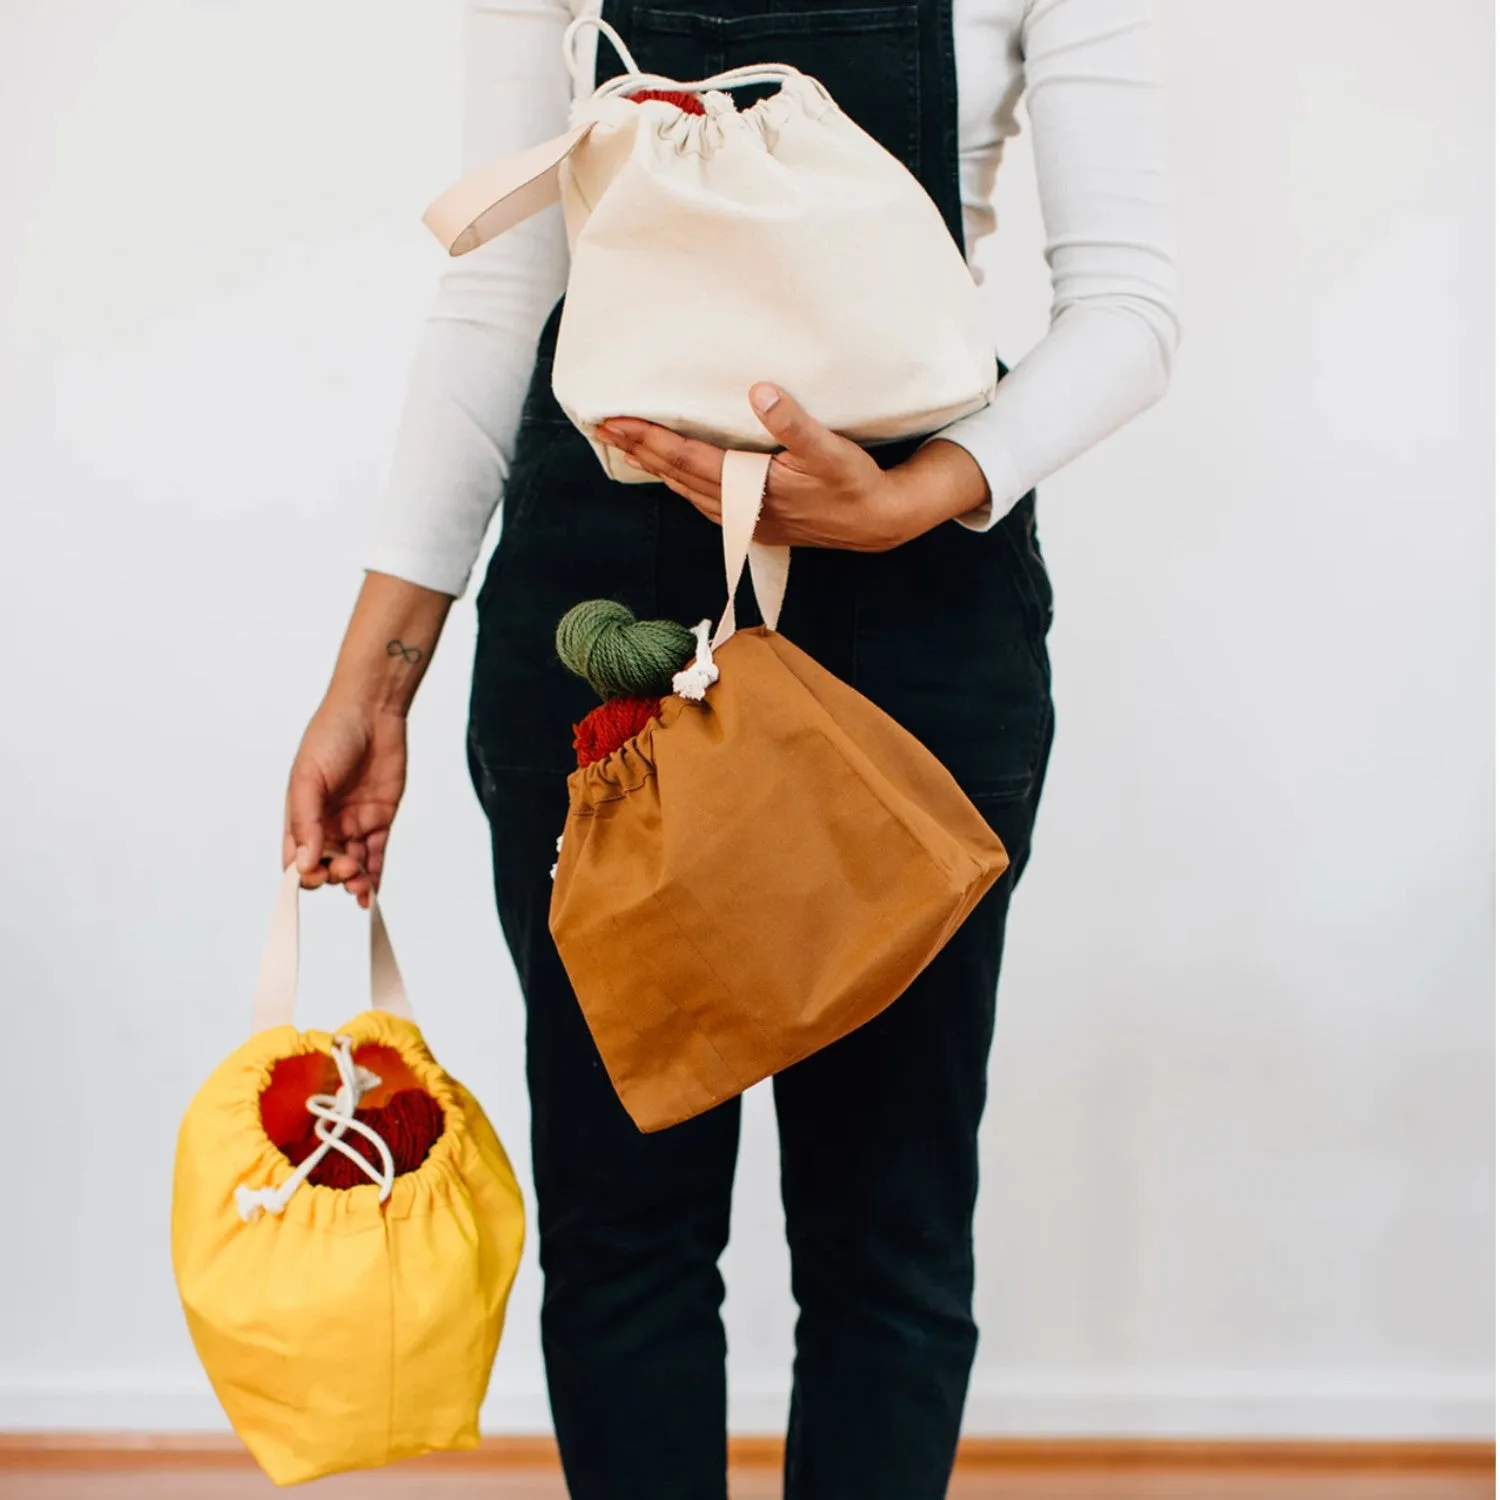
[350, 770]
[341, 800]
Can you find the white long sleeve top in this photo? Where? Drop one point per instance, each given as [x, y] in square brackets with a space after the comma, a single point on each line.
[1091, 75]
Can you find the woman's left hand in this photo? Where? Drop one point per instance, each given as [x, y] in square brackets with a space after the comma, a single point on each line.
[823, 490]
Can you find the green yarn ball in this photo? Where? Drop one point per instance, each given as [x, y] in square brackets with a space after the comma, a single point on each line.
[618, 655]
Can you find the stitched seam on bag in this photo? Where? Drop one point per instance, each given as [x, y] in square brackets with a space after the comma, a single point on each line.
[867, 781]
[586, 810]
[573, 176]
[893, 813]
[949, 929]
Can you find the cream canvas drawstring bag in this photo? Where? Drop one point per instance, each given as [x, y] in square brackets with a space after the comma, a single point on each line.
[710, 251]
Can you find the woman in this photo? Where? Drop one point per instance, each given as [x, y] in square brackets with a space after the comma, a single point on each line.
[918, 580]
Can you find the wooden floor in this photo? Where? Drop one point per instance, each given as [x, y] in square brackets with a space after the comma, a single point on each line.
[1051, 1481]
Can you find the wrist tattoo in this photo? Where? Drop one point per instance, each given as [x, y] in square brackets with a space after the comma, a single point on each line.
[411, 655]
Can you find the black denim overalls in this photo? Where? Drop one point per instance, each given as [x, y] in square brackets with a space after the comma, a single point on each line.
[878, 1133]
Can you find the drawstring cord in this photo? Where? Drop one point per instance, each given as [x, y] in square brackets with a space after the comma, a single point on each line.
[632, 80]
[334, 1114]
[573, 55]
[695, 680]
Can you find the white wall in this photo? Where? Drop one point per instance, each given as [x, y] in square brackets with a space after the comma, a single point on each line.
[1238, 1163]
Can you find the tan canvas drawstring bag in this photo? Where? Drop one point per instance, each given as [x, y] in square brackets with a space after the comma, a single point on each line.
[763, 868]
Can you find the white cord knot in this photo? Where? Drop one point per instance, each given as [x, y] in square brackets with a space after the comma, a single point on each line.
[334, 1114]
[695, 680]
[252, 1201]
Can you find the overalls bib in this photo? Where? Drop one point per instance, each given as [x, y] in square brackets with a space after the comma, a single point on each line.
[878, 1132]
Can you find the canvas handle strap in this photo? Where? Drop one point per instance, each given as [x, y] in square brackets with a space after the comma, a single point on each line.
[276, 988]
[633, 78]
[735, 78]
[742, 489]
[742, 492]
[501, 194]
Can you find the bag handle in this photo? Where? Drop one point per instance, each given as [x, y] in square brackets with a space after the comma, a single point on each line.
[742, 490]
[633, 78]
[574, 59]
[501, 194]
[734, 78]
[496, 197]
[276, 987]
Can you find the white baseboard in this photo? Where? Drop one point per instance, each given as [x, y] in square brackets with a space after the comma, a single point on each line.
[1210, 1404]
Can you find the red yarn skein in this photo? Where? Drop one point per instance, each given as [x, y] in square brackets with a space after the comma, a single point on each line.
[410, 1123]
[616, 720]
[689, 104]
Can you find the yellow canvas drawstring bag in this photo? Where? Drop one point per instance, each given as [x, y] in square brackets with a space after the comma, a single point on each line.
[341, 1328]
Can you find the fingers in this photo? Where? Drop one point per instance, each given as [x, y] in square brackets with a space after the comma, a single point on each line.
[304, 823]
[307, 841]
[707, 504]
[343, 866]
[678, 461]
[350, 867]
[371, 853]
[375, 854]
[820, 450]
[356, 866]
[353, 870]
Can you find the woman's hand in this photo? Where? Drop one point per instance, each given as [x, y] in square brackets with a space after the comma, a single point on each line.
[350, 770]
[823, 490]
[345, 787]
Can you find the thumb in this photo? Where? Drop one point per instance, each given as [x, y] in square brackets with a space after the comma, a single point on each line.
[304, 807]
[820, 450]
